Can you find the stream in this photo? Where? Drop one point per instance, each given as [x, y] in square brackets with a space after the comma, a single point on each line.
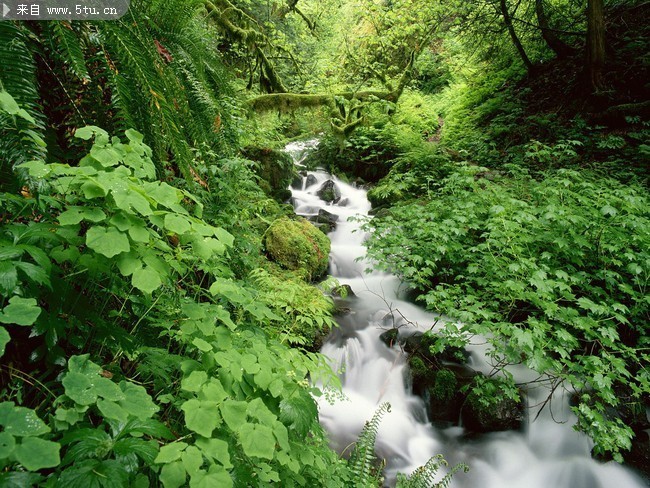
[546, 453]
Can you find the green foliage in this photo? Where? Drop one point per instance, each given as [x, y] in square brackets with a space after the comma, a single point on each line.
[425, 476]
[553, 272]
[305, 310]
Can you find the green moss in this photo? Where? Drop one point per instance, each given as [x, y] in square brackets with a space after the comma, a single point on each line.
[444, 386]
[298, 245]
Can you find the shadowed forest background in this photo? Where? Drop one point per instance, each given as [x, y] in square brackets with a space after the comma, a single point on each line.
[162, 306]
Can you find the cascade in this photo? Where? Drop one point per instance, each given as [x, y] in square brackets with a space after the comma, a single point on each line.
[547, 453]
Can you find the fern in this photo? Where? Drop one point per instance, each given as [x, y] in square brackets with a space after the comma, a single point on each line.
[18, 78]
[70, 49]
[363, 459]
[425, 476]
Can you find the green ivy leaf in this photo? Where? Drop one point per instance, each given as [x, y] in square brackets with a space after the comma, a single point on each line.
[80, 388]
[170, 452]
[74, 215]
[201, 417]
[192, 459]
[146, 279]
[137, 401]
[173, 475]
[112, 410]
[257, 440]
[216, 476]
[216, 449]
[21, 421]
[20, 311]
[202, 345]
[234, 413]
[34, 453]
[177, 223]
[7, 444]
[194, 381]
[107, 241]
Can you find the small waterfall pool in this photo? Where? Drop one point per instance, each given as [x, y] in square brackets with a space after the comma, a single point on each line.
[548, 453]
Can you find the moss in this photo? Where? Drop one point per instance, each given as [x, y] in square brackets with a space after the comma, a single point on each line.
[298, 245]
[445, 385]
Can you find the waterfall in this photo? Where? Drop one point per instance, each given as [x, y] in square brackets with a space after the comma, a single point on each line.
[547, 453]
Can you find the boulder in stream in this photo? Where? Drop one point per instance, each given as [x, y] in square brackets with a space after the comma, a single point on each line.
[481, 414]
[297, 245]
[329, 192]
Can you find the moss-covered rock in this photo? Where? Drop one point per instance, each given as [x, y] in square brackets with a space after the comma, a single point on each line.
[297, 245]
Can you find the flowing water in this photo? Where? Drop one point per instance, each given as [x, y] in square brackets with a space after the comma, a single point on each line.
[547, 453]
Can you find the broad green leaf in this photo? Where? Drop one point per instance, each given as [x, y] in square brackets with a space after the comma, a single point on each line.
[37, 169]
[170, 452]
[89, 131]
[257, 440]
[4, 340]
[34, 453]
[202, 345]
[224, 236]
[80, 388]
[146, 279]
[177, 223]
[7, 444]
[107, 241]
[20, 311]
[82, 364]
[234, 413]
[127, 263]
[93, 189]
[217, 476]
[139, 234]
[192, 459]
[137, 401]
[216, 449]
[194, 381]
[214, 391]
[201, 417]
[173, 475]
[74, 215]
[112, 410]
[107, 389]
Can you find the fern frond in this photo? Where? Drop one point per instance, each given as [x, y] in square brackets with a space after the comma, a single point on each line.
[18, 78]
[425, 476]
[363, 456]
[69, 48]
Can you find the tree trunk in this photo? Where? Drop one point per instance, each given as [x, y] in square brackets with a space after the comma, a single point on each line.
[595, 55]
[559, 47]
[515, 40]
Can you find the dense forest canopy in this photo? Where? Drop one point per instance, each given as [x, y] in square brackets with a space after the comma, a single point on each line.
[150, 333]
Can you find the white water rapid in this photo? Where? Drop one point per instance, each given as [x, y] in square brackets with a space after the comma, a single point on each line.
[548, 453]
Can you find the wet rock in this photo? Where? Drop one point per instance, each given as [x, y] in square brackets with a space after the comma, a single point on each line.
[500, 414]
[420, 344]
[343, 202]
[325, 217]
[311, 180]
[390, 337]
[639, 455]
[329, 192]
[444, 397]
[296, 184]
